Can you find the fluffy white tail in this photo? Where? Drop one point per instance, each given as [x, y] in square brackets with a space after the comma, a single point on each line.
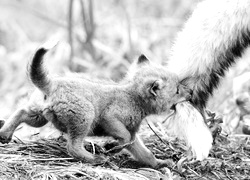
[187, 123]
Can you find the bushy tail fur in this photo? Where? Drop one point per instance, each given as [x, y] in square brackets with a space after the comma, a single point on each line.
[212, 39]
[38, 74]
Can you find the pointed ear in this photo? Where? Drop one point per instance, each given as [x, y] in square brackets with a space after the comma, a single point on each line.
[142, 59]
[155, 87]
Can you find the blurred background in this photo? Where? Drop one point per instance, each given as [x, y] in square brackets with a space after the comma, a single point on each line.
[101, 39]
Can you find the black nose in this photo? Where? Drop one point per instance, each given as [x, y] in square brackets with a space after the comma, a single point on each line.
[239, 101]
[173, 107]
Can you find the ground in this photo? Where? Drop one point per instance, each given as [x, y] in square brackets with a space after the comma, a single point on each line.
[48, 159]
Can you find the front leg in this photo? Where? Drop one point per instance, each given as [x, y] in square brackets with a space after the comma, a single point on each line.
[114, 127]
[145, 156]
[134, 145]
[118, 131]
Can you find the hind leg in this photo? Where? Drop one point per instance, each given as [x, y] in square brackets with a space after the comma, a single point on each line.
[1, 123]
[76, 149]
[76, 135]
[32, 118]
[76, 117]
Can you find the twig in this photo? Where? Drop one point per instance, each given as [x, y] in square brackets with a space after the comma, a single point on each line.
[51, 159]
[84, 19]
[159, 136]
[194, 172]
[91, 18]
[155, 132]
[93, 147]
[70, 34]
[128, 23]
[88, 20]
[19, 139]
[88, 26]
[168, 117]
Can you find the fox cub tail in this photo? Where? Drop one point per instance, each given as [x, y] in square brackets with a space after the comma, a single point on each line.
[37, 72]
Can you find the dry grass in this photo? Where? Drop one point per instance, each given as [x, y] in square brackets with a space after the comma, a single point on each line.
[48, 159]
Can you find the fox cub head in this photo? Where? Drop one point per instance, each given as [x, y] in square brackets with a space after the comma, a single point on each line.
[158, 88]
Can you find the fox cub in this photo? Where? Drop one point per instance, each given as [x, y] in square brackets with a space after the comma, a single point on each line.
[81, 107]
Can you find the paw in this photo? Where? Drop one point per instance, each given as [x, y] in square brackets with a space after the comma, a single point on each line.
[4, 139]
[164, 163]
[1, 123]
[99, 160]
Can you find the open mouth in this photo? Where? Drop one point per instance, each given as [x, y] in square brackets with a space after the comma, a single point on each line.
[173, 107]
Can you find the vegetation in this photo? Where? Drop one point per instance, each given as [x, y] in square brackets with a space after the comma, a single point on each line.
[101, 39]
